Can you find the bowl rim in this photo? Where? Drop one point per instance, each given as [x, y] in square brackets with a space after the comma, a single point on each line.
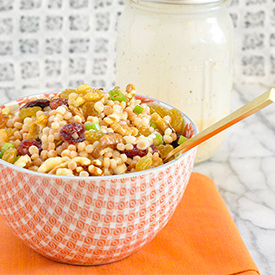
[131, 174]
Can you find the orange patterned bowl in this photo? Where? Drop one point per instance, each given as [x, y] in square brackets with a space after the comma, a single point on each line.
[93, 220]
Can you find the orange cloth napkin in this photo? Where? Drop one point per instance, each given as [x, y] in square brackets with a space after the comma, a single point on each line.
[201, 238]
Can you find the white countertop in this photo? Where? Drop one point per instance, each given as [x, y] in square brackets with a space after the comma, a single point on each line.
[244, 172]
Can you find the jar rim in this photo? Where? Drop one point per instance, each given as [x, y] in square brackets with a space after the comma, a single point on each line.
[180, 2]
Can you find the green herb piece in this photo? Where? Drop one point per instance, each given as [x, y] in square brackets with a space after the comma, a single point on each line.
[90, 125]
[153, 124]
[182, 139]
[138, 109]
[158, 139]
[117, 96]
[5, 147]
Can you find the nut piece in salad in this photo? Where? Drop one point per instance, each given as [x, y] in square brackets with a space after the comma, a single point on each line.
[88, 132]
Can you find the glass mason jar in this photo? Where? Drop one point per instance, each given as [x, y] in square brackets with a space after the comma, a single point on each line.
[180, 52]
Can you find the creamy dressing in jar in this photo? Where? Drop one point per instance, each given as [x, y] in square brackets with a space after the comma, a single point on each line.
[181, 53]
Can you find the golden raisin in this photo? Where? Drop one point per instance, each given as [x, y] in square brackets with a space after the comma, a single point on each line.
[28, 112]
[92, 135]
[42, 120]
[83, 89]
[10, 155]
[144, 131]
[156, 108]
[109, 140]
[89, 109]
[33, 131]
[65, 94]
[3, 120]
[144, 163]
[10, 132]
[93, 96]
[177, 121]
[164, 149]
[130, 88]
[3, 136]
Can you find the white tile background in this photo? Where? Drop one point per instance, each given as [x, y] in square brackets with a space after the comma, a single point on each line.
[48, 45]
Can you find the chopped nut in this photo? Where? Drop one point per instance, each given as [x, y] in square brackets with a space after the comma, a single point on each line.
[77, 112]
[64, 172]
[82, 161]
[49, 164]
[97, 162]
[23, 161]
[62, 165]
[79, 169]
[120, 169]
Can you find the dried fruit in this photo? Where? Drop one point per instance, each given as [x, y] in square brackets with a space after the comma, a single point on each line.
[144, 131]
[28, 112]
[144, 163]
[92, 135]
[33, 131]
[57, 102]
[42, 120]
[23, 148]
[3, 120]
[164, 149]
[130, 88]
[156, 108]
[76, 111]
[3, 136]
[10, 132]
[135, 152]
[88, 109]
[154, 149]
[83, 89]
[175, 142]
[42, 103]
[93, 96]
[10, 155]
[73, 133]
[66, 93]
[109, 140]
[177, 121]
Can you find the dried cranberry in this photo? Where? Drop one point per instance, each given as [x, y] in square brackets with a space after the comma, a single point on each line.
[23, 148]
[42, 103]
[57, 102]
[154, 149]
[175, 142]
[135, 152]
[73, 133]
